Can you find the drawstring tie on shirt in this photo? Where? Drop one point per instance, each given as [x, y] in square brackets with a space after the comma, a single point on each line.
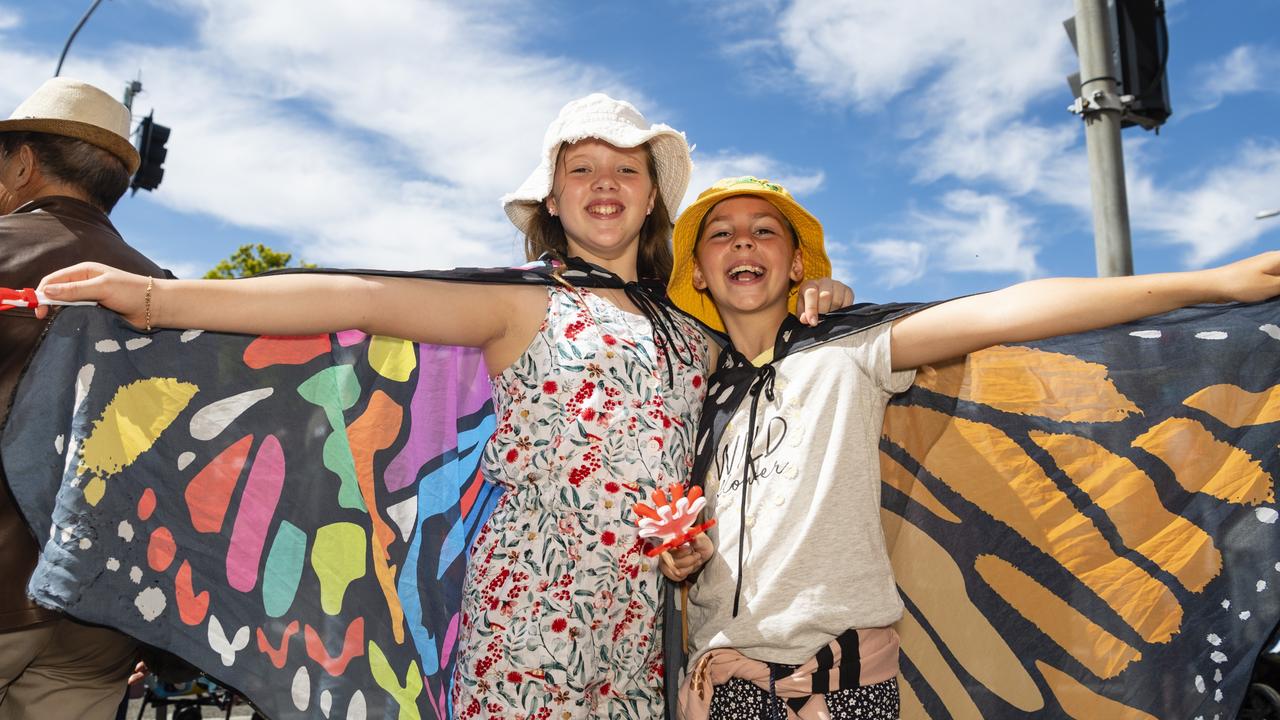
[761, 384]
[777, 710]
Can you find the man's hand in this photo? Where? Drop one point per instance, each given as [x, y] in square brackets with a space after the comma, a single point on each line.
[140, 672]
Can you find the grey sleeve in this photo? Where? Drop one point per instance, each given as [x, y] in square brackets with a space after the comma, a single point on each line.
[870, 352]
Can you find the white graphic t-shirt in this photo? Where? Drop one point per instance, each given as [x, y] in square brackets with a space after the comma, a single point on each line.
[814, 562]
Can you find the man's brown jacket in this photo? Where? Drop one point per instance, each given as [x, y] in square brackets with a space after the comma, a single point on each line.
[41, 236]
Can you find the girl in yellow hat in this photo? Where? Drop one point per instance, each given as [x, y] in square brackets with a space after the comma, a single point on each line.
[781, 626]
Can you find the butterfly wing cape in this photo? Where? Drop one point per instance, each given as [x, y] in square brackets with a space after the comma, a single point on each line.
[289, 515]
[1086, 526]
[1082, 527]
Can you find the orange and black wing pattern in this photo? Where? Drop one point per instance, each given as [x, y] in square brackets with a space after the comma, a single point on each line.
[1086, 527]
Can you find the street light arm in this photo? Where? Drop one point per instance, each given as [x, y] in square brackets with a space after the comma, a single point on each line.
[57, 71]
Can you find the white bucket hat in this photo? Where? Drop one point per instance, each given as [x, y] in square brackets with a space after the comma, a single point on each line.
[75, 109]
[618, 123]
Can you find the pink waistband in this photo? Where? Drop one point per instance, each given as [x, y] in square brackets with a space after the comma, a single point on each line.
[877, 656]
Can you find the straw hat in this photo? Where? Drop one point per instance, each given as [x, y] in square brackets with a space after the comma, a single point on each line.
[75, 109]
[808, 230]
[617, 123]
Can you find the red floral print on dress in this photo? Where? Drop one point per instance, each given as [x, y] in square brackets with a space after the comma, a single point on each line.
[559, 565]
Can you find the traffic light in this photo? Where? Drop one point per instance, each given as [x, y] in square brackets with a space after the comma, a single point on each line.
[1144, 58]
[152, 137]
[1138, 43]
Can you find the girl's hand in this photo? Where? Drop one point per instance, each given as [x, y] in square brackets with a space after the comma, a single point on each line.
[821, 296]
[680, 563]
[114, 289]
[1253, 279]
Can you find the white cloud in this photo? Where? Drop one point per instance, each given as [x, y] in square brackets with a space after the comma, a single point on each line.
[257, 164]
[23, 74]
[9, 18]
[900, 261]
[972, 232]
[1245, 69]
[396, 159]
[455, 99]
[180, 268]
[361, 156]
[981, 233]
[707, 170]
[1214, 217]
[356, 155]
[739, 16]
[762, 61]
[1022, 157]
[954, 83]
[955, 64]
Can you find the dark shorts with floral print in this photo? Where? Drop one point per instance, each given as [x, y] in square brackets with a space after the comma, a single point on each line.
[741, 699]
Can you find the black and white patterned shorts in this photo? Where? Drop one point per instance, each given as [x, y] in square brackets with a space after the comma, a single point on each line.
[741, 699]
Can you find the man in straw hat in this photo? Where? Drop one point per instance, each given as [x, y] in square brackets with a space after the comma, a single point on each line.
[65, 159]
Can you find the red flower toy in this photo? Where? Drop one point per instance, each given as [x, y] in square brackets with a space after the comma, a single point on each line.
[24, 298]
[29, 298]
[671, 517]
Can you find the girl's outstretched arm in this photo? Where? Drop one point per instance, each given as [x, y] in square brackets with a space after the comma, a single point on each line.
[1059, 306]
[302, 304]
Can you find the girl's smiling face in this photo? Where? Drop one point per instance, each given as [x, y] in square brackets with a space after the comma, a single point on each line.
[602, 195]
[746, 257]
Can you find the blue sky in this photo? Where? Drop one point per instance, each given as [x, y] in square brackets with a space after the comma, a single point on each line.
[930, 136]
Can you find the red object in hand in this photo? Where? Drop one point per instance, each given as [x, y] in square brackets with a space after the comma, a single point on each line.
[671, 517]
[24, 298]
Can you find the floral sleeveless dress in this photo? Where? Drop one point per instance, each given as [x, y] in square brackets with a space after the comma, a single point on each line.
[561, 606]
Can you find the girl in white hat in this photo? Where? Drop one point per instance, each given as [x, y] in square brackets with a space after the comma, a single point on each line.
[596, 384]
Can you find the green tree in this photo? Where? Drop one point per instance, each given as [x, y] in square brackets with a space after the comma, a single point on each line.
[251, 260]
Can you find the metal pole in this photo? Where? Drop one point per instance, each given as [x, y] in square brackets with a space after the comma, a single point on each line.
[79, 25]
[1101, 106]
[130, 91]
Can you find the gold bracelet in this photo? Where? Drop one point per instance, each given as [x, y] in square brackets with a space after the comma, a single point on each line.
[147, 303]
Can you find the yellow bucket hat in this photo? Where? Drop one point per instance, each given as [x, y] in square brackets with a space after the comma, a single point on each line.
[808, 231]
